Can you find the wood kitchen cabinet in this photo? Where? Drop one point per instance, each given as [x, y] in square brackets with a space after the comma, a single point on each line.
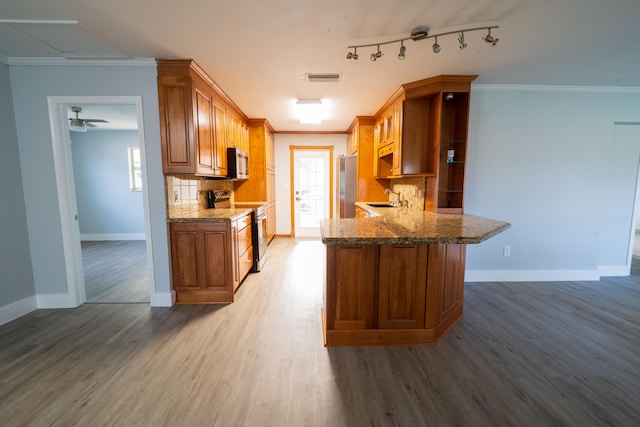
[194, 127]
[209, 260]
[261, 185]
[362, 136]
[422, 131]
[381, 294]
[243, 253]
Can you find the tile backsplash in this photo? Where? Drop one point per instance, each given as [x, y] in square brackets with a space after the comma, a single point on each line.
[412, 190]
[191, 190]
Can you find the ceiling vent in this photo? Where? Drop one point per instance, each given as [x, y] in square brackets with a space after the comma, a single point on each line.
[323, 77]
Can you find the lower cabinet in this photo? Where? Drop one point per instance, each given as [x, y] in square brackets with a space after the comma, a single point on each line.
[392, 293]
[207, 265]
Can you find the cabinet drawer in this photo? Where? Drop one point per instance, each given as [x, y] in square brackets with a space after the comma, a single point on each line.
[243, 222]
[385, 150]
[245, 262]
[244, 239]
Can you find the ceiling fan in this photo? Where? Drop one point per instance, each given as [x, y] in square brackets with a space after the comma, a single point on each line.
[76, 124]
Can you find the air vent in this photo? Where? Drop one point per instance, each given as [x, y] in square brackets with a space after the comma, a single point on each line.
[323, 78]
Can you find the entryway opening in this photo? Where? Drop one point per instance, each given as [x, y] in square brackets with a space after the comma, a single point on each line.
[103, 196]
[311, 188]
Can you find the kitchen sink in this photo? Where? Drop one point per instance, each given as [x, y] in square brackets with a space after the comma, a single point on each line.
[381, 205]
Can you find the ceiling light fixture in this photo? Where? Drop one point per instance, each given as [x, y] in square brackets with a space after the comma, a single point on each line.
[403, 49]
[311, 111]
[422, 33]
[491, 40]
[461, 42]
[436, 46]
[376, 55]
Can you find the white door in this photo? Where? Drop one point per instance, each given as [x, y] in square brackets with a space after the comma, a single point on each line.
[311, 189]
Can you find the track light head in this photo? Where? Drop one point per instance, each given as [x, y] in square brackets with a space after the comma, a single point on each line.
[491, 40]
[461, 42]
[436, 46]
[375, 56]
[353, 55]
[403, 49]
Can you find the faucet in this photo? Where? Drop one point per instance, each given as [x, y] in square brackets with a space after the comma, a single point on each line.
[390, 191]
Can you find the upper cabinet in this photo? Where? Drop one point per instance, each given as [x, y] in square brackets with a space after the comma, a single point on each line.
[422, 131]
[261, 185]
[197, 121]
[362, 134]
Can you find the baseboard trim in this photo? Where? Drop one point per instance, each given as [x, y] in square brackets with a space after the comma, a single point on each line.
[17, 309]
[530, 275]
[613, 270]
[56, 301]
[163, 299]
[115, 236]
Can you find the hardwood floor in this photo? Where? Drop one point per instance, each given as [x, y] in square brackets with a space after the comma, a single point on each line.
[553, 353]
[115, 271]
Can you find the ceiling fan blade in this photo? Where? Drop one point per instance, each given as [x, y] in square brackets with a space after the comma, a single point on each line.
[95, 120]
[89, 125]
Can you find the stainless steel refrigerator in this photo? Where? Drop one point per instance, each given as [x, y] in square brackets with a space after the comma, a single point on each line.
[347, 174]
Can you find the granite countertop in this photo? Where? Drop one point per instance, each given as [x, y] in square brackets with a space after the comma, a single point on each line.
[197, 214]
[401, 225]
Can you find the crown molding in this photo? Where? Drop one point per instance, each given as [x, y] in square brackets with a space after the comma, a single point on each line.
[74, 62]
[554, 88]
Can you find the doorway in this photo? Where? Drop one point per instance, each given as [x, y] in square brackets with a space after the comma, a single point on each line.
[620, 210]
[311, 188]
[67, 196]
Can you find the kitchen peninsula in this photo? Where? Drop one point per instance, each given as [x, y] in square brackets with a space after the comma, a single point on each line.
[397, 277]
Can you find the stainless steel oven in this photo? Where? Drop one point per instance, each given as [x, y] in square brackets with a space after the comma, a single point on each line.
[259, 237]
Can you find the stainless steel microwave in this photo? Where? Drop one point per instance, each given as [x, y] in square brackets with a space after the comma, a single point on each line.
[237, 164]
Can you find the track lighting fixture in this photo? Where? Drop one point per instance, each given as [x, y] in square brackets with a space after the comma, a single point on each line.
[461, 43]
[436, 46]
[421, 33]
[491, 40]
[403, 49]
[376, 55]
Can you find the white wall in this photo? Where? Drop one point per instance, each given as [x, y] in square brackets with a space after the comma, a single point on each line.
[31, 85]
[17, 289]
[283, 169]
[539, 158]
[107, 208]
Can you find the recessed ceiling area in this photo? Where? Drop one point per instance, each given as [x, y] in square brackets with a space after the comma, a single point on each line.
[260, 52]
[53, 38]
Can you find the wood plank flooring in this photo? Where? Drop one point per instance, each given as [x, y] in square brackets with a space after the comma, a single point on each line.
[115, 271]
[526, 354]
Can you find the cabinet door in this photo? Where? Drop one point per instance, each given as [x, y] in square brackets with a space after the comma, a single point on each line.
[350, 287]
[376, 146]
[204, 133]
[402, 286]
[353, 141]
[201, 262]
[174, 99]
[220, 140]
[269, 150]
[445, 284]
[271, 204]
[397, 139]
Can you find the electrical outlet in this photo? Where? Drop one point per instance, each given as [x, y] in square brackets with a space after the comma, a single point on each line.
[506, 251]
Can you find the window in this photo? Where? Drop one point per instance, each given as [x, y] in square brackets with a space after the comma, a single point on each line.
[135, 170]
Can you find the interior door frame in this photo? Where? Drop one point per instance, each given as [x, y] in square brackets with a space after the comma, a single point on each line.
[63, 167]
[292, 150]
